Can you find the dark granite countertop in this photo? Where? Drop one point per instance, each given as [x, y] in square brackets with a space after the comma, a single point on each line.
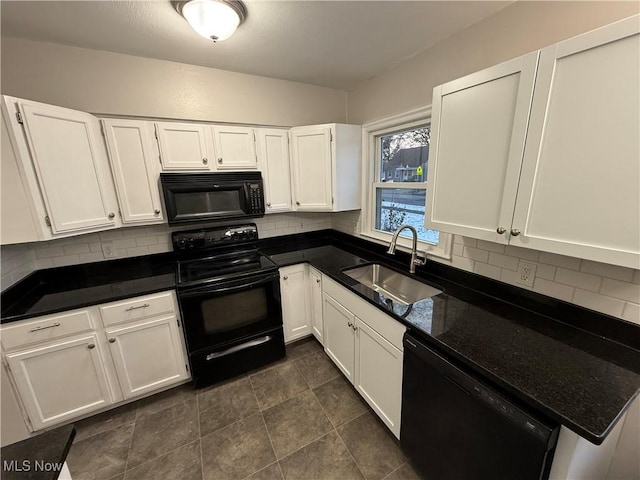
[37, 458]
[578, 367]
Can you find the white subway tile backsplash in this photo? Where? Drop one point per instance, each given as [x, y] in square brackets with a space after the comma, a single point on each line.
[522, 253]
[50, 252]
[76, 249]
[463, 263]
[66, 260]
[137, 251]
[631, 312]
[599, 303]
[545, 271]
[91, 257]
[553, 289]
[111, 235]
[490, 246]
[487, 270]
[636, 277]
[149, 240]
[609, 271]
[559, 260]
[457, 249]
[504, 261]
[578, 279]
[621, 290]
[475, 254]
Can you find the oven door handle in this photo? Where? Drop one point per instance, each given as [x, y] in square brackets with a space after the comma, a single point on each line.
[237, 348]
[230, 286]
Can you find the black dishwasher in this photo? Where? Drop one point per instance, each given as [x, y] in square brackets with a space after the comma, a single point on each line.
[455, 427]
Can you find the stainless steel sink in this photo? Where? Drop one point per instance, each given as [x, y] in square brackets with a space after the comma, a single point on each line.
[392, 284]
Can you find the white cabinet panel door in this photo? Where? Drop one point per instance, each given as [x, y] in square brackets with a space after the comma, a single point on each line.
[311, 165]
[579, 190]
[479, 125]
[273, 161]
[147, 355]
[61, 381]
[72, 168]
[235, 148]
[339, 336]
[295, 314]
[183, 146]
[378, 375]
[315, 307]
[136, 169]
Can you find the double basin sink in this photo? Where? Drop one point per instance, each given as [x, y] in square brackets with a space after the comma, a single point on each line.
[397, 286]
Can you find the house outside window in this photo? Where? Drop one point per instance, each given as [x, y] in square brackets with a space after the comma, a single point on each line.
[397, 159]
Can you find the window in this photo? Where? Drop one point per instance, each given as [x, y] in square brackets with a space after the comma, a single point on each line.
[397, 158]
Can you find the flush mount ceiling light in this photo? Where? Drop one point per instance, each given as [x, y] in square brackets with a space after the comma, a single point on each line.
[213, 19]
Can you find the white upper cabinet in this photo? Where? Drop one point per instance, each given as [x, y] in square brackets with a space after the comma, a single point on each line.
[184, 146]
[273, 160]
[71, 166]
[326, 166]
[574, 189]
[235, 148]
[136, 169]
[479, 124]
[579, 190]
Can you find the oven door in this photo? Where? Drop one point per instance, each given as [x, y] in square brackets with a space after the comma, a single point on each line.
[230, 310]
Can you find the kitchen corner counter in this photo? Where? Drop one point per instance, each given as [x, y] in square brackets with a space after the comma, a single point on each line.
[576, 378]
[37, 458]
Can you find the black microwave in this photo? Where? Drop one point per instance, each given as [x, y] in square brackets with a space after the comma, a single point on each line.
[207, 197]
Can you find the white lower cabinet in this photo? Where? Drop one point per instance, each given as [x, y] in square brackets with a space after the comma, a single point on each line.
[315, 304]
[295, 311]
[67, 365]
[339, 342]
[147, 355]
[369, 353]
[61, 380]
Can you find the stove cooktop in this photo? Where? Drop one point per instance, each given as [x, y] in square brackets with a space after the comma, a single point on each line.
[222, 266]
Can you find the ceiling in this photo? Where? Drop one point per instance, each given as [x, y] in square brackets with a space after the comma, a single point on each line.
[336, 44]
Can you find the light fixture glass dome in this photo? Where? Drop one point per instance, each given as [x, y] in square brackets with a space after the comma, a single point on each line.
[213, 19]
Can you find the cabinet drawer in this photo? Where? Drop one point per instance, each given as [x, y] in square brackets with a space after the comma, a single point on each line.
[387, 326]
[46, 328]
[139, 307]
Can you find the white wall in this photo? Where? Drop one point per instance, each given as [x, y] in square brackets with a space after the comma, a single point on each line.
[520, 28]
[112, 83]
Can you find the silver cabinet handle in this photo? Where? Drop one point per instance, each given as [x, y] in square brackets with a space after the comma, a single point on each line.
[298, 203]
[135, 308]
[285, 278]
[238, 348]
[112, 340]
[220, 160]
[111, 216]
[269, 204]
[515, 232]
[205, 160]
[354, 327]
[156, 212]
[501, 230]
[317, 280]
[37, 329]
[91, 346]
[350, 324]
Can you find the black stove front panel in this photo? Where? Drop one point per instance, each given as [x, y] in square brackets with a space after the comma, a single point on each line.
[221, 266]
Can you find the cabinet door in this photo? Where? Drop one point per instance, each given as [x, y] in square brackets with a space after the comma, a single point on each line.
[295, 315]
[61, 380]
[273, 161]
[72, 167]
[315, 307]
[147, 355]
[311, 165]
[378, 375]
[183, 146]
[339, 335]
[579, 191]
[136, 169]
[478, 133]
[235, 148]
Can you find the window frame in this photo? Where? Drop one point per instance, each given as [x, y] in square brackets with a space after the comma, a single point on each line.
[370, 134]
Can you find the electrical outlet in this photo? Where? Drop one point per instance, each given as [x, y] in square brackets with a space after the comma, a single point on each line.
[526, 273]
[108, 251]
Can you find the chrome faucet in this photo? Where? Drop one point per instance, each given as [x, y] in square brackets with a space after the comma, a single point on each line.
[417, 258]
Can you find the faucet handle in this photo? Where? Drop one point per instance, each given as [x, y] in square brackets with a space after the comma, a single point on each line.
[420, 258]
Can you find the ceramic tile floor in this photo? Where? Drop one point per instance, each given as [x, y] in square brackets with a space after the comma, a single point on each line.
[296, 419]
